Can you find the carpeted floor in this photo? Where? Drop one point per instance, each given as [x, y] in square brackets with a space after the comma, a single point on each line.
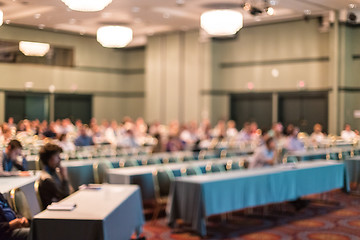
[318, 221]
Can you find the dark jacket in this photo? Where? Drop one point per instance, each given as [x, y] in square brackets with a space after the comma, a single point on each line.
[52, 188]
[5, 231]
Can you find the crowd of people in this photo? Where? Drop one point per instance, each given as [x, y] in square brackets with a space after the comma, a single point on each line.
[171, 137]
[54, 184]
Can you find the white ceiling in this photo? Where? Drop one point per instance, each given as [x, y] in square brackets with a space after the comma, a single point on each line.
[147, 17]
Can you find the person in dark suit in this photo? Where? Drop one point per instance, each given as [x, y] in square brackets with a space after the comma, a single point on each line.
[12, 226]
[9, 158]
[54, 183]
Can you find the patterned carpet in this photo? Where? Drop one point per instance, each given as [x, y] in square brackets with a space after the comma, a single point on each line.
[318, 221]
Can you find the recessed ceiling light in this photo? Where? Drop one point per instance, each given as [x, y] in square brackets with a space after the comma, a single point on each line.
[270, 11]
[352, 5]
[41, 26]
[37, 15]
[72, 21]
[274, 2]
[82, 32]
[7, 21]
[307, 12]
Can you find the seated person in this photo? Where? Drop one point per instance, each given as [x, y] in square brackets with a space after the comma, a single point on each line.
[9, 158]
[54, 183]
[347, 134]
[264, 155]
[83, 140]
[293, 143]
[12, 227]
[317, 136]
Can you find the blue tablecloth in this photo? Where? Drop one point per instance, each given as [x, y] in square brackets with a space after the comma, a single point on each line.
[142, 175]
[193, 198]
[353, 169]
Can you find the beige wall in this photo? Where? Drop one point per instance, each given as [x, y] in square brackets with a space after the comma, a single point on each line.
[108, 74]
[177, 70]
[179, 77]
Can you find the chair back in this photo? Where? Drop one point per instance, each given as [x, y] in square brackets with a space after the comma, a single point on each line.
[223, 154]
[291, 159]
[162, 179]
[19, 203]
[235, 165]
[191, 170]
[213, 167]
[153, 161]
[37, 192]
[128, 163]
[99, 169]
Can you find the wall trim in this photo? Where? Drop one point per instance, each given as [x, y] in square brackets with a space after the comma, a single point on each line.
[110, 70]
[96, 93]
[349, 89]
[273, 62]
[227, 92]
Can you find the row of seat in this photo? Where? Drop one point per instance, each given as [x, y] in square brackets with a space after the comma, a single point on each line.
[163, 176]
[341, 155]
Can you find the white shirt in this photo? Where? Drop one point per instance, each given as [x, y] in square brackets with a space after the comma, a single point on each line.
[348, 135]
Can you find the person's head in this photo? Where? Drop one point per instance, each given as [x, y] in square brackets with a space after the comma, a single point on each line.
[83, 130]
[49, 155]
[13, 150]
[231, 124]
[317, 128]
[347, 127]
[270, 143]
[11, 120]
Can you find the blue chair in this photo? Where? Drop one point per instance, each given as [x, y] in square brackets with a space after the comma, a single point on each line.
[191, 170]
[153, 161]
[291, 159]
[128, 163]
[100, 168]
[162, 178]
[213, 167]
[234, 165]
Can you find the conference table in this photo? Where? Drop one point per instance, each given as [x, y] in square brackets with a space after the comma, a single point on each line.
[353, 169]
[105, 212]
[26, 184]
[142, 175]
[309, 155]
[193, 198]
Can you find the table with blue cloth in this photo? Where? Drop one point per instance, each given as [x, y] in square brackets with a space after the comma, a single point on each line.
[193, 198]
[332, 153]
[353, 169]
[108, 212]
[142, 175]
[26, 184]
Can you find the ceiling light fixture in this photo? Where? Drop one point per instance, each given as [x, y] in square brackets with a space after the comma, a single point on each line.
[270, 11]
[114, 36]
[223, 22]
[34, 48]
[87, 5]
